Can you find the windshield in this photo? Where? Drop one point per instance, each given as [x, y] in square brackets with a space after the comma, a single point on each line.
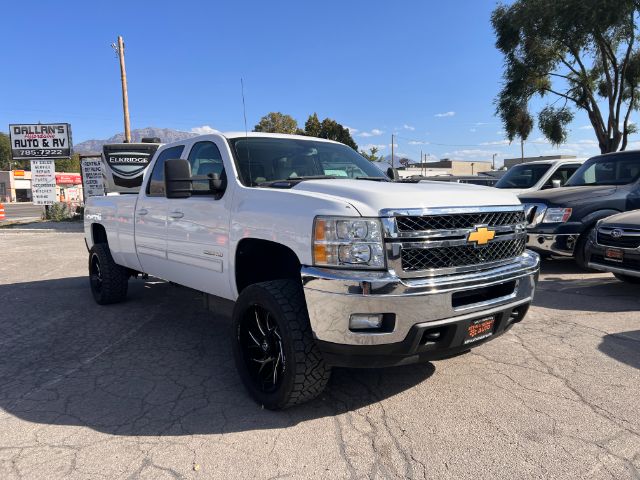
[607, 170]
[523, 176]
[263, 160]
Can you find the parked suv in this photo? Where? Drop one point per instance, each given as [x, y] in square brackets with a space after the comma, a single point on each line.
[561, 220]
[328, 262]
[614, 246]
[539, 175]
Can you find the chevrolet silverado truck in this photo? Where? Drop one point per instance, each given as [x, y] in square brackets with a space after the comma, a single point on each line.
[560, 221]
[328, 262]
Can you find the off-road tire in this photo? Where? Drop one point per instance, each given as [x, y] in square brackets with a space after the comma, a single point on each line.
[114, 281]
[305, 373]
[627, 278]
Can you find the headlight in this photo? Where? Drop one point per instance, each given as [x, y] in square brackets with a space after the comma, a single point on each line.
[557, 215]
[346, 242]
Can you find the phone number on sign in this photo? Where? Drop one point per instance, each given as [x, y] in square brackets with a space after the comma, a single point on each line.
[42, 152]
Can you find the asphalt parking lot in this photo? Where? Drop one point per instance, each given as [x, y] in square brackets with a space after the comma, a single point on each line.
[147, 388]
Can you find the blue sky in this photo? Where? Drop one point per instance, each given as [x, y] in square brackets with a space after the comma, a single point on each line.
[425, 70]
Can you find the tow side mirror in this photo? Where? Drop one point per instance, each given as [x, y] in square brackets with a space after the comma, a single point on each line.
[177, 178]
[392, 173]
[556, 183]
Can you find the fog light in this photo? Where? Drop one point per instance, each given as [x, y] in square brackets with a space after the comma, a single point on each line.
[365, 321]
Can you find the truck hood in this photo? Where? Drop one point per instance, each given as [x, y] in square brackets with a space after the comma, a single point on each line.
[567, 196]
[624, 220]
[370, 197]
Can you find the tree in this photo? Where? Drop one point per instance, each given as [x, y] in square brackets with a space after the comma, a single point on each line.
[276, 122]
[5, 152]
[372, 155]
[329, 129]
[580, 52]
[71, 165]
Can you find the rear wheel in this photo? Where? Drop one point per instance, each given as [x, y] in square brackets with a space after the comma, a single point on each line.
[108, 280]
[627, 278]
[275, 353]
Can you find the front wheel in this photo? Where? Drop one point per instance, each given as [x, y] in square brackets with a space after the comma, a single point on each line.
[580, 252]
[627, 278]
[275, 353]
[108, 280]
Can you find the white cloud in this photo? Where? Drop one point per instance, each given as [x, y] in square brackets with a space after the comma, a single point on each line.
[408, 127]
[445, 114]
[473, 130]
[479, 124]
[497, 142]
[416, 142]
[352, 130]
[373, 133]
[203, 130]
[470, 154]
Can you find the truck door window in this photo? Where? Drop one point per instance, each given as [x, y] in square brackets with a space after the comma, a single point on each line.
[563, 174]
[155, 187]
[205, 158]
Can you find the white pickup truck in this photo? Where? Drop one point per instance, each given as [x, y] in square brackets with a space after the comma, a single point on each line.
[329, 264]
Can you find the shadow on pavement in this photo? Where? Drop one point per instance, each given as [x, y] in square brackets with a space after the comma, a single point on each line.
[623, 347]
[157, 364]
[66, 226]
[589, 292]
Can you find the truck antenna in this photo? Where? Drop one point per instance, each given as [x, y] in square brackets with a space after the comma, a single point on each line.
[246, 134]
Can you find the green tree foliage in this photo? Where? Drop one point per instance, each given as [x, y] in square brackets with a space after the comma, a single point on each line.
[582, 53]
[70, 165]
[5, 152]
[329, 129]
[372, 155]
[276, 122]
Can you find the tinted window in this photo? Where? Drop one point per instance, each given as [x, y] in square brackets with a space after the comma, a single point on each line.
[156, 182]
[205, 158]
[563, 174]
[607, 170]
[271, 159]
[523, 176]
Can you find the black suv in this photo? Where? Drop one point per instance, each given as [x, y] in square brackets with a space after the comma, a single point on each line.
[561, 220]
[614, 246]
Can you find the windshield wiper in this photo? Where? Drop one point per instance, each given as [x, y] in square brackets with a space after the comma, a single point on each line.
[292, 181]
[373, 179]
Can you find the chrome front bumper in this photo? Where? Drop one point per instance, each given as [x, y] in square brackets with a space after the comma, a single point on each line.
[562, 245]
[333, 295]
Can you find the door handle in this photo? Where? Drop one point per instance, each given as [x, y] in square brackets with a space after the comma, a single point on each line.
[176, 214]
[143, 211]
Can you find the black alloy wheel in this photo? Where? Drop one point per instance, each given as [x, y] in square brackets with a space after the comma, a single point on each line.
[261, 344]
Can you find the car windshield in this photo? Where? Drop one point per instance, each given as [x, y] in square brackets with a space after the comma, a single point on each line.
[263, 160]
[523, 176]
[607, 170]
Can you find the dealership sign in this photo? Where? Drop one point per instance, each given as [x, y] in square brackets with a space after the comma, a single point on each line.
[43, 182]
[51, 140]
[92, 177]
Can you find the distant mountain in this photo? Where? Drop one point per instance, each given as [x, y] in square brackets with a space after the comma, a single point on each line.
[166, 135]
[396, 160]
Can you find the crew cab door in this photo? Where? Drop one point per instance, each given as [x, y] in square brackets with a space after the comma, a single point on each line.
[198, 226]
[151, 219]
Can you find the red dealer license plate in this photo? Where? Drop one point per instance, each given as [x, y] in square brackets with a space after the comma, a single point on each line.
[614, 254]
[479, 329]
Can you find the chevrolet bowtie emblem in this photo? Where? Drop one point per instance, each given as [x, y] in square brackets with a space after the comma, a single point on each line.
[481, 236]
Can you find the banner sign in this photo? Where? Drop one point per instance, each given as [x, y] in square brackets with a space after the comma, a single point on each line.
[92, 177]
[50, 141]
[43, 182]
[68, 178]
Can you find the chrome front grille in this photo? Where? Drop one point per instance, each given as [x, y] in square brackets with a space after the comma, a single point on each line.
[431, 242]
[457, 221]
[416, 259]
[622, 238]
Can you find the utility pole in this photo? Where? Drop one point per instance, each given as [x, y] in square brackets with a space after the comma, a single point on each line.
[392, 164]
[125, 96]
[493, 162]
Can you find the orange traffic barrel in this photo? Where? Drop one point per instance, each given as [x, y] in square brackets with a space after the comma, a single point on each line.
[1, 211]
